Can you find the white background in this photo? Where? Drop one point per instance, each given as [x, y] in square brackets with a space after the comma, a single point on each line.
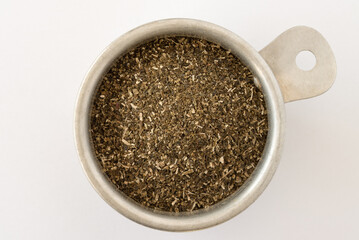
[46, 48]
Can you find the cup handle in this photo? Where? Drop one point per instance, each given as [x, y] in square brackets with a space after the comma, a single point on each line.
[295, 83]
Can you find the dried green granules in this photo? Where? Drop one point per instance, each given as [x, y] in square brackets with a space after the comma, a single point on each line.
[177, 124]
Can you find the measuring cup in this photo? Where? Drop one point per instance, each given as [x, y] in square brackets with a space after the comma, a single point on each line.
[275, 72]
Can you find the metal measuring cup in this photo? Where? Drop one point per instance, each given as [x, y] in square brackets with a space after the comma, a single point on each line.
[275, 72]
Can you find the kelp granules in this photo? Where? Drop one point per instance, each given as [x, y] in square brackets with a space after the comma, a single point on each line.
[177, 124]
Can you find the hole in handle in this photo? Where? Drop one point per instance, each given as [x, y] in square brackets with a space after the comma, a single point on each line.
[306, 60]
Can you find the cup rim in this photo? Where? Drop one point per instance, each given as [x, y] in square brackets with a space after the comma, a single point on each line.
[246, 194]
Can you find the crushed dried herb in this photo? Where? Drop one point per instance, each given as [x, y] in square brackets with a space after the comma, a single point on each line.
[178, 124]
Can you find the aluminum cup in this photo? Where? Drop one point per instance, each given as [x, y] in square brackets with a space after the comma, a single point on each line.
[275, 72]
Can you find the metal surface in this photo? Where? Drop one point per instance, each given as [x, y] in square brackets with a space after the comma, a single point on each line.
[252, 188]
[295, 83]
